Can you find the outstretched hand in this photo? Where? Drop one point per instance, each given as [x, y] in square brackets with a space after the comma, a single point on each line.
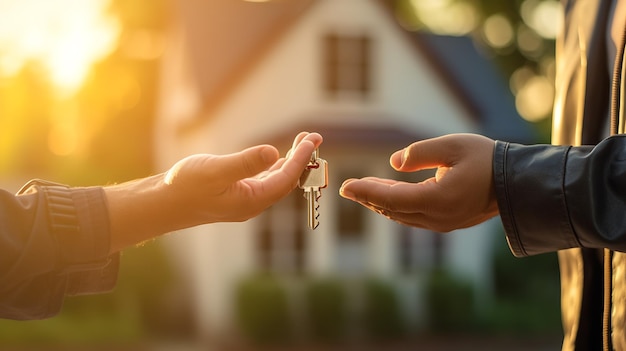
[205, 188]
[241, 185]
[460, 195]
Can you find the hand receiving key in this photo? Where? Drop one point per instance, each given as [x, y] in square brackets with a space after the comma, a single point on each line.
[312, 180]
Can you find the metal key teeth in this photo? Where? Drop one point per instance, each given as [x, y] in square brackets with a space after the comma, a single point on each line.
[316, 221]
[313, 208]
[312, 180]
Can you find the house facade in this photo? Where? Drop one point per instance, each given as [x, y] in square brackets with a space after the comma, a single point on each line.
[240, 73]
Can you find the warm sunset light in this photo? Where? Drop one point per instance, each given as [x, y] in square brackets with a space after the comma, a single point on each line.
[65, 37]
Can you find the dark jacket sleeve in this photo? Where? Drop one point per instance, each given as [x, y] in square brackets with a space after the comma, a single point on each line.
[559, 197]
[54, 242]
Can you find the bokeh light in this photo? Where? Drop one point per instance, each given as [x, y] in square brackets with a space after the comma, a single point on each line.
[446, 16]
[523, 41]
[535, 97]
[519, 78]
[544, 17]
[498, 31]
[529, 42]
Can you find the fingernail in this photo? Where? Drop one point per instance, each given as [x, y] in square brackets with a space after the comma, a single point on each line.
[344, 192]
[398, 158]
[269, 155]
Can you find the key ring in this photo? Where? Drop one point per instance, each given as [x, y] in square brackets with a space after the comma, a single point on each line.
[313, 164]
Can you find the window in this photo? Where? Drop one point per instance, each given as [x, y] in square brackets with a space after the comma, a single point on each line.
[419, 249]
[347, 65]
[280, 237]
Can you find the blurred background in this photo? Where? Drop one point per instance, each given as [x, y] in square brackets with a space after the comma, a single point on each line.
[95, 92]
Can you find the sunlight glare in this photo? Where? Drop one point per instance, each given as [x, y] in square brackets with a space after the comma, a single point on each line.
[62, 139]
[66, 37]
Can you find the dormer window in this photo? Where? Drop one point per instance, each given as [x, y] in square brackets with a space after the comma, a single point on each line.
[347, 65]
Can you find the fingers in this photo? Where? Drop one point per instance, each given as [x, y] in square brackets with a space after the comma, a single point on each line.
[252, 161]
[298, 158]
[279, 182]
[297, 141]
[400, 203]
[411, 219]
[305, 143]
[390, 195]
[406, 203]
[277, 165]
[430, 153]
[246, 163]
[460, 194]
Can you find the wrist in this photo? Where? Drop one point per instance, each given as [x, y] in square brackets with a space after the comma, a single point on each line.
[140, 210]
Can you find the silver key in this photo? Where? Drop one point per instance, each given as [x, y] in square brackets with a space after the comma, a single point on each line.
[312, 181]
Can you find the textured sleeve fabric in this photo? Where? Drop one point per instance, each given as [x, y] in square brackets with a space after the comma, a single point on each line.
[558, 197]
[54, 242]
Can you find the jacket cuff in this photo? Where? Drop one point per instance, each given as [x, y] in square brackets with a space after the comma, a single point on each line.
[78, 219]
[529, 189]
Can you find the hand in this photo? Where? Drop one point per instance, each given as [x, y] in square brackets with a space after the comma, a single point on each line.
[239, 186]
[460, 195]
[205, 188]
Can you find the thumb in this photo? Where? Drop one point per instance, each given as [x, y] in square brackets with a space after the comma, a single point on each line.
[246, 163]
[429, 153]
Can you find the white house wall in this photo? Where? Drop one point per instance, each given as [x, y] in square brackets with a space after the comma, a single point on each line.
[469, 253]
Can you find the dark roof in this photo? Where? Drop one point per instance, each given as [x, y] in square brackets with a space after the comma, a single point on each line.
[468, 68]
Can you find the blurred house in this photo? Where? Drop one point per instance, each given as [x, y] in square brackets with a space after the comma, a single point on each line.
[241, 73]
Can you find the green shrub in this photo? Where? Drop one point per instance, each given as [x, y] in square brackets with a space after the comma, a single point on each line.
[450, 302]
[527, 293]
[262, 310]
[326, 308]
[133, 312]
[382, 316]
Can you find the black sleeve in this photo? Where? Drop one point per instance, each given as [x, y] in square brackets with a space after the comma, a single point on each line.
[559, 197]
[54, 241]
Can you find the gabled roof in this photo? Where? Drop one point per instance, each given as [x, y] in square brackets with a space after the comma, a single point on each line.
[469, 70]
[227, 37]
